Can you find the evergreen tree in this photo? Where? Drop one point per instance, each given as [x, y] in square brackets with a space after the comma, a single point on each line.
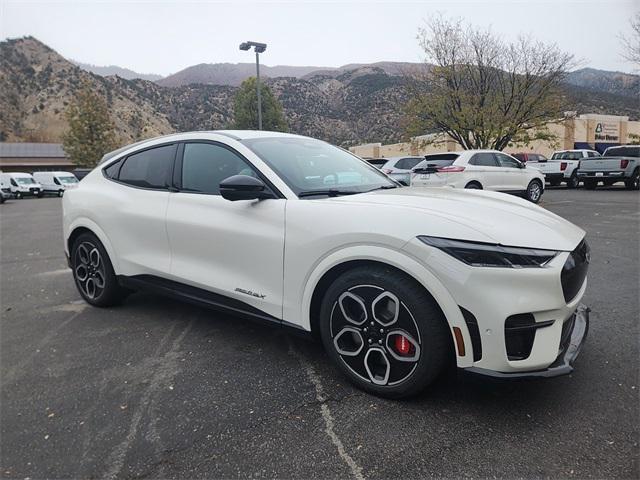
[91, 132]
[246, 108]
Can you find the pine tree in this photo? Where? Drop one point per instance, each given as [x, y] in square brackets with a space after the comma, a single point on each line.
[246, 108]
[91, 132]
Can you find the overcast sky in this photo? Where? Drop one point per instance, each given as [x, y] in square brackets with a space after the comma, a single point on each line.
[166, 36]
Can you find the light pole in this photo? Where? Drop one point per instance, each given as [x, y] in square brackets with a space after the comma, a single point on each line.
[258, 48]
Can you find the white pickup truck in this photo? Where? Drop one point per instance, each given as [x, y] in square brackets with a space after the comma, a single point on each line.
[563, 166]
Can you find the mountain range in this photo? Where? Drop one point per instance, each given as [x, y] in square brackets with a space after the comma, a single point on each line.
[348, 105]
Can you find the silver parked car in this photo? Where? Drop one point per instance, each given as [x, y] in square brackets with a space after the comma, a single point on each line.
[399, 168]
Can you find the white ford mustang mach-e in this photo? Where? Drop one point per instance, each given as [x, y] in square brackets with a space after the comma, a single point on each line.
[291, 230]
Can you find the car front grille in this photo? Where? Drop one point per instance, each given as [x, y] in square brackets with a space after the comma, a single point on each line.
[574, 271]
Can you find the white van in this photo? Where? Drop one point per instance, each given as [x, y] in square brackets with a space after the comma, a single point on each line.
[56, 182]
[22, 184]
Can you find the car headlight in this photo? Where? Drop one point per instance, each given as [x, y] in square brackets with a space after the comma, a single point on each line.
[478, 254]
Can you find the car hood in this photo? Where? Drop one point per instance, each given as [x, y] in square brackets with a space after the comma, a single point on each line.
[488, 216]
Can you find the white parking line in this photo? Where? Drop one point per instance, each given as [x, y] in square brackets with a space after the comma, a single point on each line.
[62, 271]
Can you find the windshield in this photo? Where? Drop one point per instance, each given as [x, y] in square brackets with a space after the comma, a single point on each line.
[68, 180]
[24, 180]
[307, 165]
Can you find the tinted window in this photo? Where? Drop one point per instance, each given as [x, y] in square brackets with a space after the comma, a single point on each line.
[628, 151]
[205, 165]
[408, 163]
[507, 161]
[148, 169]
[483, 160]
[112, 170]
[434, 163]
[442, 156]
[377, 162]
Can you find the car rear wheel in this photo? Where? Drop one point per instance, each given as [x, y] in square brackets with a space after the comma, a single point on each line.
[384, 332]
[534, 191]
[573, 181]
[93, 272]
[60, 193]
[18, 195]
[634, 182]
[473, 186]
[590, 184]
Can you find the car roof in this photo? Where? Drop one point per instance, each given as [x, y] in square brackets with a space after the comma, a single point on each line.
[234, 134]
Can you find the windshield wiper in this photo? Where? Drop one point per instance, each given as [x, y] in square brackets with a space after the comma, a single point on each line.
[332, 192]
[383, 187]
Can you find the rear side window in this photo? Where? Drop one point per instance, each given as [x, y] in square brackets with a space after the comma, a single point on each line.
[148, 169]
[484, 160]
[205, 165]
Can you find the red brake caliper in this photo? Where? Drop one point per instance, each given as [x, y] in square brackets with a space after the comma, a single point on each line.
[402, 345]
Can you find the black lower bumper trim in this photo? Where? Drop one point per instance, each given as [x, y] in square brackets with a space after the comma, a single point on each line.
[563, 365]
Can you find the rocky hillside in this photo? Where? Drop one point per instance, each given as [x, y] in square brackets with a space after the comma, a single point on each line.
[349, 105]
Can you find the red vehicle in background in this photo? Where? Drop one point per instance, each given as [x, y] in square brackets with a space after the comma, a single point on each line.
[525, 157]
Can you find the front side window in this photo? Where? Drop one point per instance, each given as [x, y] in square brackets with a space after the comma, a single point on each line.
[205, 165]
[307, 166]
[507, 161]
[149, 168]
[483, 160]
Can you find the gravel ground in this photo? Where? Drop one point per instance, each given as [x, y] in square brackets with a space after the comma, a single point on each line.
[161, 389]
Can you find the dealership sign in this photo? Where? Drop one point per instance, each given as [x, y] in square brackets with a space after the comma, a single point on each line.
[607, 131]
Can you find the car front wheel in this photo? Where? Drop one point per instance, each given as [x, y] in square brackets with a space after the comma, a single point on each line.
[384, 332]
[534, 191]
[93, 273]
[573, 181]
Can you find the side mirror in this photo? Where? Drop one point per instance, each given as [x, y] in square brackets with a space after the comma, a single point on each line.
[244, 187]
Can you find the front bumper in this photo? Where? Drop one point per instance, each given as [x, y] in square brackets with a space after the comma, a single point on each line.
[569, 350]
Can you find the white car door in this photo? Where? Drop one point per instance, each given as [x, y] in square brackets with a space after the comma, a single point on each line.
[515, 176]
[133, 209]
[235, 249]
[483, 167]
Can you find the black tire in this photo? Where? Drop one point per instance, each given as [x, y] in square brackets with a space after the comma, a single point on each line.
[473, 186]
[573, 181]
[87, 269]
[18, 196]
[2, 199]
[534, 191]
[41, 194]
[590, 184]
[426, 338]
[633, 183]
[60, 193]
[555, 183]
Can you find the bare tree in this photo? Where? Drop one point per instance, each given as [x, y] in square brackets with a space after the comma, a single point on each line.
[631, 44]
[482, 91]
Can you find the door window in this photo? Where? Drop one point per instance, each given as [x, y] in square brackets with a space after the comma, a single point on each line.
[483, 160]
[507, 161]
[149, 168]
[205, 165]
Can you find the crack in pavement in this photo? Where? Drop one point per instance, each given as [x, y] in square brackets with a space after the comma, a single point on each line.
[327, 417]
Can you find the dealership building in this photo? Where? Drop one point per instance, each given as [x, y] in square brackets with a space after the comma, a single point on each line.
[30, 157]
[591, 131]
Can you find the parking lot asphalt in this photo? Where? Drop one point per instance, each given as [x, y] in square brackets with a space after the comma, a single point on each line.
[160, 389]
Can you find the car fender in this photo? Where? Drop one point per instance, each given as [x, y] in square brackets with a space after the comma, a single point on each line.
[84, 222]
[402, 261]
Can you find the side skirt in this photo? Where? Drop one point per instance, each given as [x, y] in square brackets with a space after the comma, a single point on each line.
[207, 299]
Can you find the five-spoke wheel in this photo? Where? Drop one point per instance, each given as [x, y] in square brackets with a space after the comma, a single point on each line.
[93, 272]
[384, 331]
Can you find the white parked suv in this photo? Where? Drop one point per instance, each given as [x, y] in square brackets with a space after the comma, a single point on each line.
[479, 169]
[288, 230]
